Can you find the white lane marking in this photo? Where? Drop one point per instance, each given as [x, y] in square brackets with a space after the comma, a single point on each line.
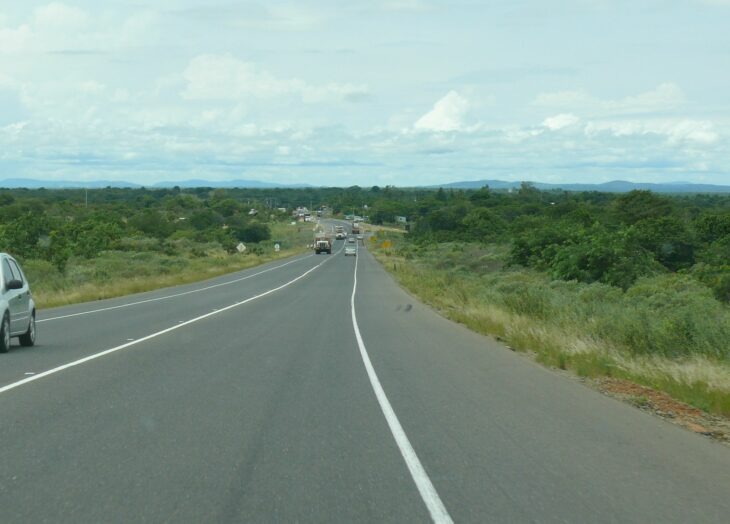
[172, 296]
[425, 487]
[153, 335]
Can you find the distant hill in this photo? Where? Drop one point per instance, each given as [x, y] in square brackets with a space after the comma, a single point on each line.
[31, 183]
[250, 184]
[615, 186]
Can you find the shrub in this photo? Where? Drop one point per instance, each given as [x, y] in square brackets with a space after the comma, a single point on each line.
[599, 256]
[671, 315]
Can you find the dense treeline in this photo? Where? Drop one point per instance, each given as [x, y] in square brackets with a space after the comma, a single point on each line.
[588, 237]
[56, 225]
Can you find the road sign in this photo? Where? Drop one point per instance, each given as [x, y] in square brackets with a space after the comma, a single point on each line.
[277, 247]
[241, 247]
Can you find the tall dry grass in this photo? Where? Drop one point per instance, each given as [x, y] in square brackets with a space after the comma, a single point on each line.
[666, 332]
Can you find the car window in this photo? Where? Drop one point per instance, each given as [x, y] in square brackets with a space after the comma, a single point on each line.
[17, 273]
[7, 271]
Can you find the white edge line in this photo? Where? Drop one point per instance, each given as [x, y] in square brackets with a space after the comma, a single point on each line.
[425, 487]
[170, 296]
[80, 361]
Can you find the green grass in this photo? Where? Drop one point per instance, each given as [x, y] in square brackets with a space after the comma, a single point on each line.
[152, 265]
[667, 332]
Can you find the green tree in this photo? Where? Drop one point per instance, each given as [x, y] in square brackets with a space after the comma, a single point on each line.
[88, 238]
[21, 236]
[641, 205]
[711, 227]
[252, 231]
[668, 238]
[600, 256]
[151, 222]
[483, 224]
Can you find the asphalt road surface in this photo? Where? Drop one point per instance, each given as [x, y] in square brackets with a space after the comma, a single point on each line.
[264, 396]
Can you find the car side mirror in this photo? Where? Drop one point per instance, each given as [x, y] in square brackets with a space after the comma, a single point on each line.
[14, 284]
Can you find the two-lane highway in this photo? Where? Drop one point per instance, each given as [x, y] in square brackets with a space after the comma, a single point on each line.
[77, 331]
[252, 401]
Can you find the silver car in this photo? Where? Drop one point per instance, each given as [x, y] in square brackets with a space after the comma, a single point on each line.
[350, 251]
[16, 305]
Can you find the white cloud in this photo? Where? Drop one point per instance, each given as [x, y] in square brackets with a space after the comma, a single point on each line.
[563, 99]
[57, 27]
[404, 5]
[257, 16]
[58, 16]
[15, 128]
[223, 77]
[675, 131]
[14, 41]
[557, 122]
[50, 27]
[666, 96]
[517, 135]
[446, 115]
[138, 27]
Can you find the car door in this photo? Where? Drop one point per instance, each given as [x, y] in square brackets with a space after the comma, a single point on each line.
[18, 299]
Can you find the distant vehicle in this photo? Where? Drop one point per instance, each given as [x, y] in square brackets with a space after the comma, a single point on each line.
[351, 240]
[16, 305]
[350, 251]
[340, 236]
[359, 237]
[355, 228]
[322, 243]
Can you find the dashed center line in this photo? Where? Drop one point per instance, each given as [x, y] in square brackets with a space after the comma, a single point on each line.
[180, 324]
[167, 297]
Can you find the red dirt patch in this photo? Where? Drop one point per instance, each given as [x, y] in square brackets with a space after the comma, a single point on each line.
[662, 405]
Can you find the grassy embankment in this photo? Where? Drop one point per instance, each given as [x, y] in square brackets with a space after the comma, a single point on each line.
[149, 264]
[667, 332]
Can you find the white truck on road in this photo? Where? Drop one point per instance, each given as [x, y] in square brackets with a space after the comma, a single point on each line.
[322, 243]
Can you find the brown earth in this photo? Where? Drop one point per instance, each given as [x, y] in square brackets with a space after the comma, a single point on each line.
[662, 405]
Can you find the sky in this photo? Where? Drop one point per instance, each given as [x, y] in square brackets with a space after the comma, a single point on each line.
[380, 92]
